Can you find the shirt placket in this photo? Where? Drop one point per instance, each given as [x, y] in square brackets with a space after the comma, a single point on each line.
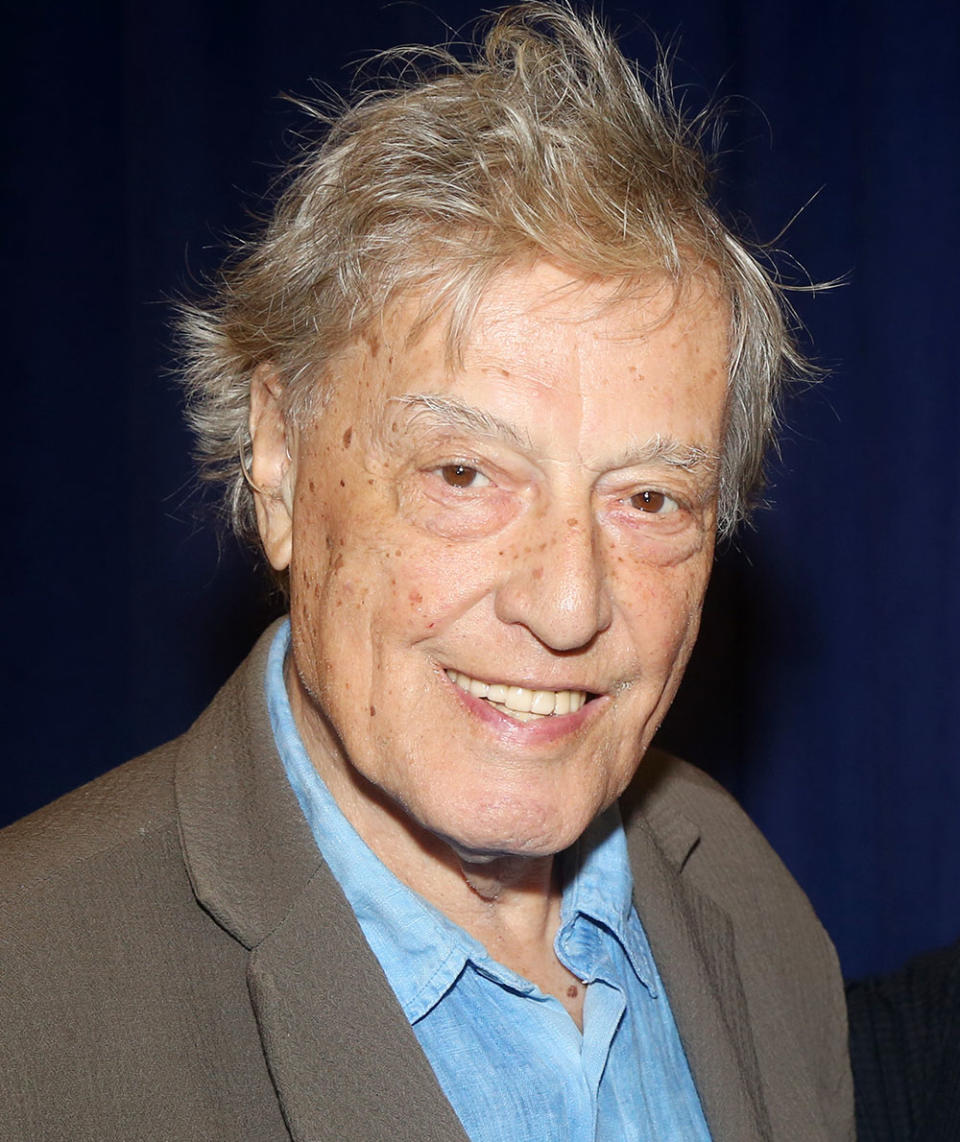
[582, 950]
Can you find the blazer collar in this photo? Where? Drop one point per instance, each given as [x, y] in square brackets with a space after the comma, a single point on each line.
[342, 1055]
[248, 850]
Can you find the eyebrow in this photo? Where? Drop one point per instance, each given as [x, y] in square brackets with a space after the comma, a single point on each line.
[667, 450]
[433, 410]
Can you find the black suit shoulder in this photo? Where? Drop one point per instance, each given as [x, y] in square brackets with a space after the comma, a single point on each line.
[905, 1050]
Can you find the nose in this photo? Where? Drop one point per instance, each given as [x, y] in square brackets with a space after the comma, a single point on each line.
[556, 583]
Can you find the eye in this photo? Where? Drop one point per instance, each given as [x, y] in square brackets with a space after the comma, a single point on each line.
[462, 476]
[653, 503]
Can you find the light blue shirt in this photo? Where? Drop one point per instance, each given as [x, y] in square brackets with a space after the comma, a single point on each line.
[509, 1058]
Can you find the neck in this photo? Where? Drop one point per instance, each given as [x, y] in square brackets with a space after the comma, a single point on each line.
[513, 893]
[491, 879]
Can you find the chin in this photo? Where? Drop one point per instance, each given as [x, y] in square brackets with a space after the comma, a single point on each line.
[529, 833]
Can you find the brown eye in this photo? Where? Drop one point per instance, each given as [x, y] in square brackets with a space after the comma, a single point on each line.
[652, 502]
[460, 476]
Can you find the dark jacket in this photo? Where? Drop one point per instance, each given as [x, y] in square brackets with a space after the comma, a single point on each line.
[905, 1050]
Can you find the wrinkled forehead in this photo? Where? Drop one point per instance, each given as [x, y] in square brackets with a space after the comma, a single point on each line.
[618, 357]
[450, 318]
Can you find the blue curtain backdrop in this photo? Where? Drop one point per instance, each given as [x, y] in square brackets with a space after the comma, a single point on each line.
[824, 693]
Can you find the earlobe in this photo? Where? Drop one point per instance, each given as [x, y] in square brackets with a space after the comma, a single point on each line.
[272, 468]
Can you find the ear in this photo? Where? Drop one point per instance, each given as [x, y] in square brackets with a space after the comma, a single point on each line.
[272, 469]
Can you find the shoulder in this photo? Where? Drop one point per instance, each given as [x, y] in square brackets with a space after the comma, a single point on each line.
[110, 971]
[927, 985]
[134, 808]
[663, 780]
[693, 816]
[719, 854]
[117, 813]
[88, 880]
[748, 916]
[904, 1042]
[707, 836]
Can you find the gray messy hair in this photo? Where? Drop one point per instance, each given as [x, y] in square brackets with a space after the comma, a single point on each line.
[546, 143]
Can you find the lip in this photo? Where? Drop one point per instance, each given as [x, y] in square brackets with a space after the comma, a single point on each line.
[542, 730]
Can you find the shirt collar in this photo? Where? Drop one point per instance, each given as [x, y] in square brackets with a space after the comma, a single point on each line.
[598, 884]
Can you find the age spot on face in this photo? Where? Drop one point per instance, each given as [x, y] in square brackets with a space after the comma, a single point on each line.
[348, 436]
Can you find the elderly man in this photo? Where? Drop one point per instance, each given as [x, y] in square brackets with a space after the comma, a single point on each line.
[485, 389]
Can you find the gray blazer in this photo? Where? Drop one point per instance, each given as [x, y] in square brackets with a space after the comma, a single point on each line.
[176, 961]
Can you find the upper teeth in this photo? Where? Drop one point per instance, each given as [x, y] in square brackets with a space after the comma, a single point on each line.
[518, 701]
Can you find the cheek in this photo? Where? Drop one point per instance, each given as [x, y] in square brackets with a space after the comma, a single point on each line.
[370, 580]
[432, 583]
[661, 602]
[329, 600]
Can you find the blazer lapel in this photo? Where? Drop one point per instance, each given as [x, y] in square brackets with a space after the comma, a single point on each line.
[693, 944]
[344, 1060]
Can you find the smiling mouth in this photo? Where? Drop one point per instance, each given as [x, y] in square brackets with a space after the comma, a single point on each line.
[518, 702]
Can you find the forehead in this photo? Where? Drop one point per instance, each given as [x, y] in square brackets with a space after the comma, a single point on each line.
[543, 341]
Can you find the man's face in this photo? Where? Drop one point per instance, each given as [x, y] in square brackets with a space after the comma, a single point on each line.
[533, 528]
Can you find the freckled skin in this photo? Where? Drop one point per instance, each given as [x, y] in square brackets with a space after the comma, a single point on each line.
[545, 574]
